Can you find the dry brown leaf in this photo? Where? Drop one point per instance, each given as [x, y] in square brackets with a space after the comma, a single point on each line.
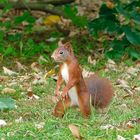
[81, 10]
[75, 131]
[39, 78]
[19, 120]
[130, 124]
[8, 91]
[65, 22]
[110, 4]
[20, 66]
[2, 123]
[9, 72]
[133, 71]
[35, 67]
[41, 58]
[124, 106]
[133, 122]
[3, 78]
[91, 61]
[122, 83]
[108, 126]
[40, 125]
[31, 95]
[137, 89]
[120, 137]
[111, 65]
[128, 91]
[73, 32]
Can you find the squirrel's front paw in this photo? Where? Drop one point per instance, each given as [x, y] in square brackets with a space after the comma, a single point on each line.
[57, 94]
[64, 95]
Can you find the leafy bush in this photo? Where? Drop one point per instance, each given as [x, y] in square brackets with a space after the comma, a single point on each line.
[117, 23]
[120, 22]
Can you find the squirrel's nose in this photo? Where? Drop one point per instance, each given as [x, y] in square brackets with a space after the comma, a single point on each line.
[52, 56]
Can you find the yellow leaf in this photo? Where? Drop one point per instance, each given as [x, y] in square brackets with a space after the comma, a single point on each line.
[75, 131]
[50, 73]
[51, 20]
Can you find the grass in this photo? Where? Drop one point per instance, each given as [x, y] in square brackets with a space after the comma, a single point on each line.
[33, 112]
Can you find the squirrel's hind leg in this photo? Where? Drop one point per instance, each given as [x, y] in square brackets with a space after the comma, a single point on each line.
[84, 104]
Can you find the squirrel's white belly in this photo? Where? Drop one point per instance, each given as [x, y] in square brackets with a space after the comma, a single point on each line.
[72, 92]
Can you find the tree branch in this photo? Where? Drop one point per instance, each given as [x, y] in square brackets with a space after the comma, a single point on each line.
[41, 6]
[56, 2]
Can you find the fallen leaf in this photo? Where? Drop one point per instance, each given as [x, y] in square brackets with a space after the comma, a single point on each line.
[91, 61]
[137, 137]
[3, 78]
[19, 120]
[39, 78]
[35, 67]
[65, 22]
[133, 71]
[2, 123]
[13, 83]
[73, 32]
[108, 126]
[50, 73]
[52, 20]
[20, 66]
[111, 65]
[120, 137]
[110, 4]
[128, 91]
[7, 103]
[122, 83]
[8, 91]
[40, 125]
[131, 123]
[137, 88]
[9, 72]
[32, 96]
[124, 106]
[42, 59]
[75, 131]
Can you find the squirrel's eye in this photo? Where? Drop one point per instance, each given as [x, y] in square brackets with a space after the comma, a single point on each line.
[61, 52]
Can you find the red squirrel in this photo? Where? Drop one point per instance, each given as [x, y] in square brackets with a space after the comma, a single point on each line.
[78, 91]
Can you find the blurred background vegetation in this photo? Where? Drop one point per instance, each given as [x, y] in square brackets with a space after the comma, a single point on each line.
[101, 29]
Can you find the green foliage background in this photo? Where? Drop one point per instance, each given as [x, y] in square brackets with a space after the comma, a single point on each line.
[118, 26]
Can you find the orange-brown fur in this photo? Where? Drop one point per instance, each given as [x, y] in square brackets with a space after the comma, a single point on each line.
[100, 89]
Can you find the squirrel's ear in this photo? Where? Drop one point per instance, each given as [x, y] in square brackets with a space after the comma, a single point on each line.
[68, 46]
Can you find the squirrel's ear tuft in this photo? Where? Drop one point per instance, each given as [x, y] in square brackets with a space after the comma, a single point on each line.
[68, 46]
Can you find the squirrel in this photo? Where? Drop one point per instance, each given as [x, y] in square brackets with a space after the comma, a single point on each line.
[78, 91]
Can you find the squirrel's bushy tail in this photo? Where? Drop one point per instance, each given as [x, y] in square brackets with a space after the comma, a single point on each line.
[100, 89]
